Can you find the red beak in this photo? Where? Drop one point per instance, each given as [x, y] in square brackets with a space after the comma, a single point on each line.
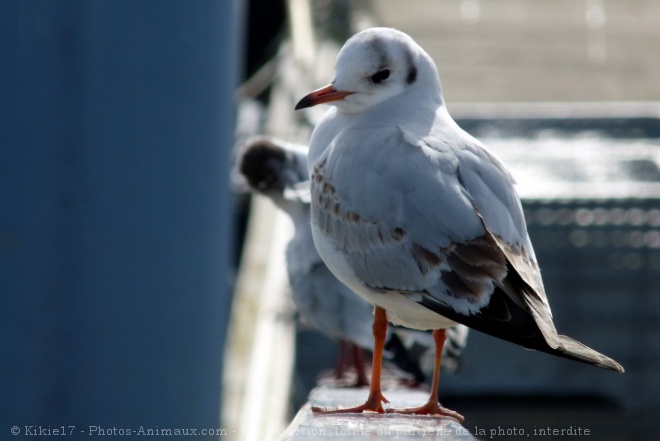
[320, 96]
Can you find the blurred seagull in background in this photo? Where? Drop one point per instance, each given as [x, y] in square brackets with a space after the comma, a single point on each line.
[416, 215]
[278, 170]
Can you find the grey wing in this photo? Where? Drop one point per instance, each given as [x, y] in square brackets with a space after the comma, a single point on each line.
[411, 225]
[443, 224]
[440, 223]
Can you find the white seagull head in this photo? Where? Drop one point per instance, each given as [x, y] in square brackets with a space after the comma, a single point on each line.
[375, 66]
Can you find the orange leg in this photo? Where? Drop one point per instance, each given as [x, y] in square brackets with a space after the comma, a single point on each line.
[341, 359]
[432, 406]
[358, 362]
[376, 399]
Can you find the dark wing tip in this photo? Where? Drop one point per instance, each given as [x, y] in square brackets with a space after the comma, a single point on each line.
[575, 350]
[519, 327]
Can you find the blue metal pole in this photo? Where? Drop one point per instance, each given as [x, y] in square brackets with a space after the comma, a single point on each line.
[116, 119]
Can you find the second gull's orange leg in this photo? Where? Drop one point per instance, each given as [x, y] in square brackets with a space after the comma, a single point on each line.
[358, 362]
[341, 359]
[376, 399]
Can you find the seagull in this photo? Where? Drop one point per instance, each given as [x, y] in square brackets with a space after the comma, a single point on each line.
[417, 216]
[278, 170]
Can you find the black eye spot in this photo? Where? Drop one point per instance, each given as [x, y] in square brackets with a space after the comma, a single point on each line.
[412, 75]
[381, 75]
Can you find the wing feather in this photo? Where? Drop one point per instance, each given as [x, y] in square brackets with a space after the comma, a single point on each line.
[446, 228]
[436, 218]
[421, 234]
[454, 231]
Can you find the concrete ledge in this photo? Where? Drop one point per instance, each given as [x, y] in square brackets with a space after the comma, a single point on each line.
[371, 426]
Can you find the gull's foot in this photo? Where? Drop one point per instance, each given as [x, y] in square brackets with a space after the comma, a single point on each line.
[430, 408]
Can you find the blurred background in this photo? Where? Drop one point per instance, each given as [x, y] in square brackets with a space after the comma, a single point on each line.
[140, 287]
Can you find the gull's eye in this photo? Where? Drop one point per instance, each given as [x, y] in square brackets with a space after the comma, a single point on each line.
[381, 75]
